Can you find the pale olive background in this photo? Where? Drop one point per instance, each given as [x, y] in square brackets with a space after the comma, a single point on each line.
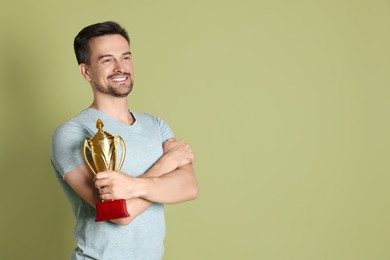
[285, 103]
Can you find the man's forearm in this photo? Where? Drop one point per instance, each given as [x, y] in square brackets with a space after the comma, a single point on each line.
[170, 180]
[177, 186]
[161, 167]
[137, 206]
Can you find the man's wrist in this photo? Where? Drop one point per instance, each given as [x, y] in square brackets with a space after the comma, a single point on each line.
[142, 186]
[161, 167]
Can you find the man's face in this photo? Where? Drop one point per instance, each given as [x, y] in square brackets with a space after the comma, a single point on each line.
[110, 68]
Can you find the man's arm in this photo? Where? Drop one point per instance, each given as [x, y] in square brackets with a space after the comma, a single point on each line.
[81, 179]
[178, 185]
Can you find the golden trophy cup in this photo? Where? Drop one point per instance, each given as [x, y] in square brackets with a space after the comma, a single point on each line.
[103, 157]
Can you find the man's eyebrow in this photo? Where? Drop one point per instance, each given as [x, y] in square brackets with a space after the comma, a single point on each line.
[110, 55]
[105, 56]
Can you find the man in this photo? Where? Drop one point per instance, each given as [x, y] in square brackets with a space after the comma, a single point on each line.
[157, 169]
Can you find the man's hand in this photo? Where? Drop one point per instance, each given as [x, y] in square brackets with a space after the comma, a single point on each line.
[177, 152]
[114, 185]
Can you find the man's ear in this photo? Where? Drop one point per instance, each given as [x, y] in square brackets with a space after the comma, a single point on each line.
[84, 71]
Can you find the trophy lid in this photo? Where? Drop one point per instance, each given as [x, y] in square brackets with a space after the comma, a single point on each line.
[100, 135]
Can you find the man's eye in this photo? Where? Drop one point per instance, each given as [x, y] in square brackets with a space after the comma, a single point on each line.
[106, 60]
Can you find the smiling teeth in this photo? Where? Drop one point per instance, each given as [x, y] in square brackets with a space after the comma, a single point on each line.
[119, 79]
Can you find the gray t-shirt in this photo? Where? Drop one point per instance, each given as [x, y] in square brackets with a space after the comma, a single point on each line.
[144, 237]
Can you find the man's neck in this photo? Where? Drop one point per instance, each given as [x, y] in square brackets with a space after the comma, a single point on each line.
[116, 108]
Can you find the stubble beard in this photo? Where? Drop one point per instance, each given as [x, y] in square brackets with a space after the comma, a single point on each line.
[122, 91]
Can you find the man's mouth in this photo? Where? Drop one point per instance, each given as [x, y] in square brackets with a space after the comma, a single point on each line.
[119, 79]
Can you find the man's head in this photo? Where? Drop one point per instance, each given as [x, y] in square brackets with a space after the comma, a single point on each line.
[81, 41]
[105, 60]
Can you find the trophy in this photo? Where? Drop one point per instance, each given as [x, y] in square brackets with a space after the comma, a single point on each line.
[103, 156]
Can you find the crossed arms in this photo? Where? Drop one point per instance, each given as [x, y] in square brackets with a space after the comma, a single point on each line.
[170, 180]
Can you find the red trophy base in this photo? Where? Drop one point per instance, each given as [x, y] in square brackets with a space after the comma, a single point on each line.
[108, 210]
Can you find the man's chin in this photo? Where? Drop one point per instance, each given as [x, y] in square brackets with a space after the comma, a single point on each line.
[121, 91]
[119, 94]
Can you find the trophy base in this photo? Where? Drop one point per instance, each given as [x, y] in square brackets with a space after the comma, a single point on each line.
[108, 210]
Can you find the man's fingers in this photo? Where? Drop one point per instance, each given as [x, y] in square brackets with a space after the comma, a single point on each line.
[104, 175]
[105, 197]
[101, 175]
[101, 183]
[104, 190]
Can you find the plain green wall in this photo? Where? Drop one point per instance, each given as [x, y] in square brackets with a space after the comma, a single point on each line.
[285, 104]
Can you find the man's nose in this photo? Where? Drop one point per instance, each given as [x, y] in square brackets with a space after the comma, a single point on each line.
[119, 67]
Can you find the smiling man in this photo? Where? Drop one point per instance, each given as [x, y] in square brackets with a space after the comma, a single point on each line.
[157, 169]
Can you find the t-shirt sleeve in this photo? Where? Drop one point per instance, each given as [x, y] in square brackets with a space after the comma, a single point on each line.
[66, 153]
[165, 131]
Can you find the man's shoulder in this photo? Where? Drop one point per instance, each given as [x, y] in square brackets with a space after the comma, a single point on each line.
[155, 123]
[144, 116]
[78, 125]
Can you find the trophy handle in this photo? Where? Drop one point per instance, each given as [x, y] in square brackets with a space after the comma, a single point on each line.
[122, 143]
[86, 145]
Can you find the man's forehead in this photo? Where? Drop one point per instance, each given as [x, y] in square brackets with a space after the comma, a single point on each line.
[108, 43]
